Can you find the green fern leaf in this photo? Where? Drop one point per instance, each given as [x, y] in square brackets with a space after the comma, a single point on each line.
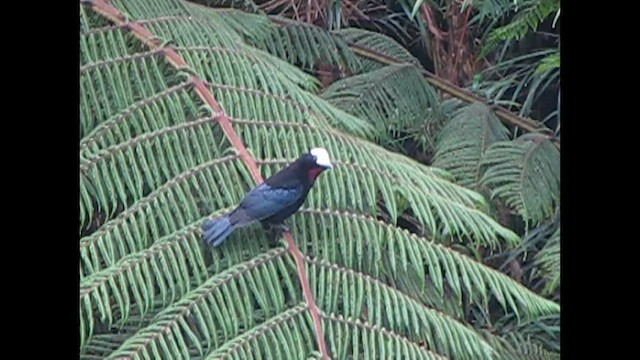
[525, 20]
[381, 97]
[517, 347]
[307, 46]
[378, 43]
[525, 174]
[298, 43]
[464, 140]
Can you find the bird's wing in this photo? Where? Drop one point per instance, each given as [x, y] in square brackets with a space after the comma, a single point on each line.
[265, 201]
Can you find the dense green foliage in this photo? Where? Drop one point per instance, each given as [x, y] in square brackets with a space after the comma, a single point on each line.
[456, 255]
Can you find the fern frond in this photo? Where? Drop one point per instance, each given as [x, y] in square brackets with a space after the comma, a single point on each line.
[518, 82]
[205, 318]
[463, 141]
[123, 173]
[298, 43]
[381, 97]
[144, 116]
[166, 102]
[544, 330]
[380, 250]
[104, 86]
[172, 206]
[378, 43]
[359, 296]
[165, 269]
[526, 20]
[151, 269]
[307, 46]
[287, 335]
[102, 345]
[548, 259]
[525, 174]
[355, 339]
[89, 19]
[517, 347]
[107, 339]
[252, 26]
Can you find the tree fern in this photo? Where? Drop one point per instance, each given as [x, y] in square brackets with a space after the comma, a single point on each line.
[464, 140]
[298, 43]
[380, 97]
[170, 101]
[372, 245]
[525, 174]
[308, 46]
[526, 19]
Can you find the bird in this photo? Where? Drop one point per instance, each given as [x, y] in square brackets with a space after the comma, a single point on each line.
[272, 201]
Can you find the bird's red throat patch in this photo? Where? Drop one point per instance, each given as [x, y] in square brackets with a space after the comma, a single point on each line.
[315, 172]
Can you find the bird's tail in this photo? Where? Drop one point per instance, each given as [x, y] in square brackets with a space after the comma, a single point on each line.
[217, 230]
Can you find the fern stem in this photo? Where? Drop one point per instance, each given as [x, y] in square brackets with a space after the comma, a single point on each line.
[144, 35]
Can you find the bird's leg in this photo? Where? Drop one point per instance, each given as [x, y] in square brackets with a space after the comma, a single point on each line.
[282, 227]
[275, 230]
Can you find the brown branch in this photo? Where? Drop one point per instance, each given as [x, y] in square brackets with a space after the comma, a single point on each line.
[137, 29]
[437, 33]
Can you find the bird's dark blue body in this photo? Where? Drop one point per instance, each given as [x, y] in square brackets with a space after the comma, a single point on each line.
[271, 202]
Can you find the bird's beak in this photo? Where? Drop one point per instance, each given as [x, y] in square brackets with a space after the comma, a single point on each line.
[329, 166]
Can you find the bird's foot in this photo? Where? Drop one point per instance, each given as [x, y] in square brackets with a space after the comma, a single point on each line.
[282, 227]
[276, 231]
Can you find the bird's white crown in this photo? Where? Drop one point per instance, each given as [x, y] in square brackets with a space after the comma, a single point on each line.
[322, 157]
